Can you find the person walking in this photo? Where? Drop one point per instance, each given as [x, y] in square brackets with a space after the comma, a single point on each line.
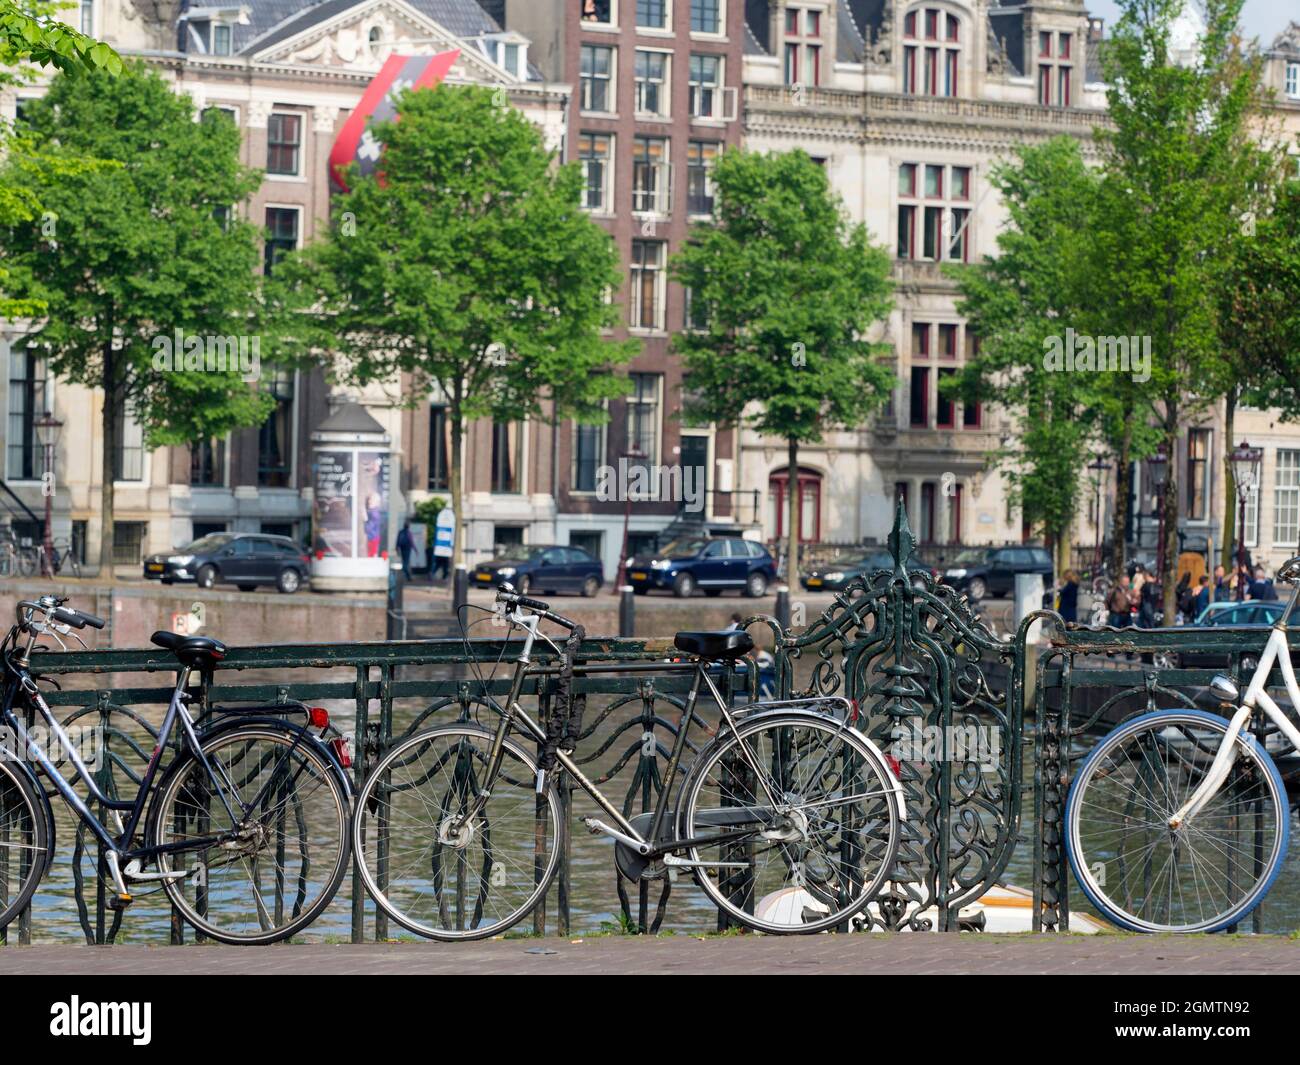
[404, 545]
[1201, 600]
[1068, 599]
[1222, 591]
[1117, 606]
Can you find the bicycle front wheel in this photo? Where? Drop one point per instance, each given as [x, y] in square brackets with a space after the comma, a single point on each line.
[806, 817]
[289, 841]
[434, 870]
[25, 834]
[1203, 876]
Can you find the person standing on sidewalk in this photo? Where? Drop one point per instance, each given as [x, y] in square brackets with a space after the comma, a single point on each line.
[1117, 606]
[404, 545]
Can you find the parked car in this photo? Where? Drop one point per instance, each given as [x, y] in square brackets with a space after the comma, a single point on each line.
[691, 563]
[245, 560]
[832, 576]
[542, 569]
[1251, 614]
[983, 571]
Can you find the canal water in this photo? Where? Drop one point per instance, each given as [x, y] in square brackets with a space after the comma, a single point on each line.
[594, 900]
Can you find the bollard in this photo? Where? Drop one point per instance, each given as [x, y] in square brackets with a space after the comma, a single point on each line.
[783, 605]
[396, 626]
[626, 611]
[460, 587]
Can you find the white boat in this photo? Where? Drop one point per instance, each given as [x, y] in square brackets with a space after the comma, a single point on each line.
[1005, 909]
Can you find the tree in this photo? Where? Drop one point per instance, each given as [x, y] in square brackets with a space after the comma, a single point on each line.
[140, 250]
[468, 265]
[1181, 169]
[790, 290]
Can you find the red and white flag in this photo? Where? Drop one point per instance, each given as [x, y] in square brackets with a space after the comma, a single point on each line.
[356, 141]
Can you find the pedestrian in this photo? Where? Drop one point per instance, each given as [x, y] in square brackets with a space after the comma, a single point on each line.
[1068, 600]
[736, 619]
[1148, 600]
[1221, 589]
[1200, 601]
[404, 545]
[1117, 606]
[1243, 581]
[1261, 587]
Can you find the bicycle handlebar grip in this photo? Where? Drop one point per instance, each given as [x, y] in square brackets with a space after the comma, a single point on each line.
[69, 617]
[91, 620]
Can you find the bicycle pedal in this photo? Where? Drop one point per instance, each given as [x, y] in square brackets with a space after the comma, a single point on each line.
[120, 902]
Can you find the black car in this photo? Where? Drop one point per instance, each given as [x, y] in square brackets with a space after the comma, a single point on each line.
[832, 576]
[694, 562]
[243, 559]
[1248, 614]
[984, 571]
[542, 569]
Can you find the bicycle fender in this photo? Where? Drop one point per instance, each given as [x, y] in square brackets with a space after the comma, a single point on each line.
[26, 771]
[304, 730]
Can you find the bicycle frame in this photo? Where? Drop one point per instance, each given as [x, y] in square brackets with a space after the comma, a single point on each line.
[1276, 651]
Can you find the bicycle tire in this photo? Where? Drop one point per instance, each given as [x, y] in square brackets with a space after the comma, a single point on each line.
[1083, 862]
[23, 809]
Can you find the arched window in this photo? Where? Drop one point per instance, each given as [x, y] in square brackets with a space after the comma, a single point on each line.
[810, 503]
[931, 52]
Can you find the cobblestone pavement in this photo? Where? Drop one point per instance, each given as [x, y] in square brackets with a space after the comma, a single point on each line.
[833, 955]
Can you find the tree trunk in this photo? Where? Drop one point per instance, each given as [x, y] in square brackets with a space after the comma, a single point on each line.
[108, 461]
[1064, 549]
[792, 512]
[453, 482]
[1123, 485]
[1229, 485]
[1169, 509]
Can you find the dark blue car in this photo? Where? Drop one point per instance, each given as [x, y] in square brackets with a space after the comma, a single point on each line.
[542, 569]
[687, 565]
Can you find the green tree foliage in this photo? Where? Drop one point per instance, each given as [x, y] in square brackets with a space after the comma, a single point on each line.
[137, 250]
[790, 290]
[469, 267]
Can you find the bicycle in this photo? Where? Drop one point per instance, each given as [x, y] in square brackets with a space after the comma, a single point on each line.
[258, 804]
[1178, 821]
[457, 827]
[61, 555]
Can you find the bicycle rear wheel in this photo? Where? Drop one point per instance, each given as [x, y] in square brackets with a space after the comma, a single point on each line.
[1204, 876]
[820, 803]
[436, 877]
[291, 849]
[25, 834]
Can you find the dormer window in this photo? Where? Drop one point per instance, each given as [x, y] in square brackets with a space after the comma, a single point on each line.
[1055, 69]
[509, 51]
[803, 46]
[211, 30]
[220, 39]
[931, 52]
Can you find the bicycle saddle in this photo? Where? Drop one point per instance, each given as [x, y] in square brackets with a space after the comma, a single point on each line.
[189, 649]
[729, 643]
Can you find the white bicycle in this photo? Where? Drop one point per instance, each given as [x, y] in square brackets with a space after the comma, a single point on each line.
[1178, 821]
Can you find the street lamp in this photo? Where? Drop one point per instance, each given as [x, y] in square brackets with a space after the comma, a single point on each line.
[1099, 468]
[1245, 472]
[629, 457]
[47, 434]
[1158, 464]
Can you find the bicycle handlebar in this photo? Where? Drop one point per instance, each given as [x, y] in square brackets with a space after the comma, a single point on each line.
[52, 607]
[507, 595]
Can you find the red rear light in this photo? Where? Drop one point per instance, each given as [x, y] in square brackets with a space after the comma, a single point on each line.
[894, 766]
[853, 713]
[318, 717]
[320, 555]
[341, 752]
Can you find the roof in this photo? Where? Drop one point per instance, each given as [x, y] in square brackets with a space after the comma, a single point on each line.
[351, 418]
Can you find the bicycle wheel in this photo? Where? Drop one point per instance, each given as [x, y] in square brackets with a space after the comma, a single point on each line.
[26, 562]
[820, 801]
[292, 846]
[1203, 876]
[447, 881]
[25, 834]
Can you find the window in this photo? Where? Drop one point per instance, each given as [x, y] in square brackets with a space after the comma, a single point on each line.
[695, 313]
[128, 542]
[27, 402]
[647, 284]
[220, 39]
[596, 150]
[931, 53]
[590, 542]
[1198, 468]
[920, 409]
[926, 522]
[128, 458]
[283, 142]
[1054, 80]
[652, 14]
[700, 158]
[1293, 80]
[275, 437]
[803, 46]
[507, 456]
[1286, 498]
[651, 82]
[705, 83]
[942, 209]
[944, 409]
[643, 419]
[88, 17]
[597, 11]
[208, 463]
[810, 494]
[281, 234]
[595, 73]
[651, 185]
[1252, 518]
[706, 16]
[947, 341]
[439, 448]
[588, 456]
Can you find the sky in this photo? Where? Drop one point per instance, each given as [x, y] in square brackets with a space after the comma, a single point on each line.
[1264, 19]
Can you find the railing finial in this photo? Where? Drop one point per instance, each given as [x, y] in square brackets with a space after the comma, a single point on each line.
[901, 540]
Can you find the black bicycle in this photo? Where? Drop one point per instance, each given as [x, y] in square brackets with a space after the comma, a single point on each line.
[246, 828]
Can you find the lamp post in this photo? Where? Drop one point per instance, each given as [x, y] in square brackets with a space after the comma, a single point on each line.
[1158, 464]
[47, 433]
[1099, 469]
[631, 454]
[1245, 472]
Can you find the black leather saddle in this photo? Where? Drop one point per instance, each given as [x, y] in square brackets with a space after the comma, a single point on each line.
[192, 650]
[729, 643]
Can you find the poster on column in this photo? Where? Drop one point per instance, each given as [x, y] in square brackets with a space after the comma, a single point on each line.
[333, 512]
[372, 500]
